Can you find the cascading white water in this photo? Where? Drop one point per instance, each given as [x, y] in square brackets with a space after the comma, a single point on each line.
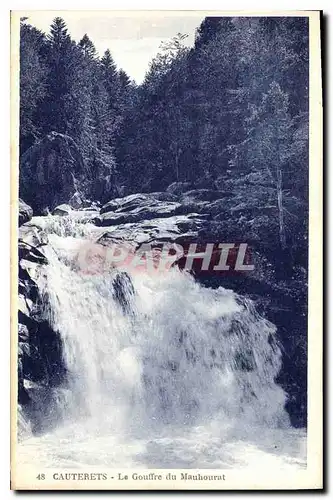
[172, 374]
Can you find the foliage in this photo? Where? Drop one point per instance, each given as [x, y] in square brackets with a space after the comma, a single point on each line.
[66, 88]
[230, 113]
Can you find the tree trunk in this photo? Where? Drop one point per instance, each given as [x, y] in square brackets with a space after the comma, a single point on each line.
[282, 230]
[177, 163]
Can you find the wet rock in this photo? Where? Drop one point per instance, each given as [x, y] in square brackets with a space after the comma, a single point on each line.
[156, 231]
[131, 213]
[28, 280]
[31, 241]
[25, 212]
[32, 269]
[23, 349]
[127, 203]
[33, 236]
[114, 219]
[76, 201]
[31, 253]
[23, 306]
[62, 210]
[40, 359]
[23, 396]
[23, 333]
[123, 292]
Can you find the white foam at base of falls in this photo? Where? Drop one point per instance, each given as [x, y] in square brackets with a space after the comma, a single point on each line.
[183, 376]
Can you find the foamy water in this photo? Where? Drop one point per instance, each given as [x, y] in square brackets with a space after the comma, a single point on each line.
[162, 372]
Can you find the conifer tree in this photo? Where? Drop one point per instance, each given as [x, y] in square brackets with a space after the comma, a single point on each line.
[124, 79]
[110, 78]
[88, 47]
[33, 72]
[61, 61]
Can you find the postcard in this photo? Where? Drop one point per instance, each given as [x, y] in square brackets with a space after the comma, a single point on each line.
[166, 261]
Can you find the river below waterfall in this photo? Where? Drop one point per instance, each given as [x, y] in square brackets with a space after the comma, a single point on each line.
[161, 372]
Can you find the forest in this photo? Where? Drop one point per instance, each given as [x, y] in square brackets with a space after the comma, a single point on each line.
[229, 114]
[232, 108]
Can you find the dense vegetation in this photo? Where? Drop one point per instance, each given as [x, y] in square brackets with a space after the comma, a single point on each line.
[230, 113]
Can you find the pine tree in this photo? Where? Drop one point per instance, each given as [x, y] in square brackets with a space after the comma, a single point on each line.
[210, 27]
[110, 78]
[61, 60]
[59, 36]
[33, 74]
[124, 79]
[88, 47]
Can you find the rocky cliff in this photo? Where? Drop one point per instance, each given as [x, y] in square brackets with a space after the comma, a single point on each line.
[49, 172]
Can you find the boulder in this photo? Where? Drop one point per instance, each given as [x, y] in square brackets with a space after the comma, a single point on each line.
[76, 201]
[123, 292]
[137, 215]
[32, 235]
[25, 212]
[178, 228]
[49, 172]
[62, 210]
[114, 219]
[32, 270]
[23, 306]
[23, 349]
[135, 210]
[127, 203]
[31, 253]
[23, 333]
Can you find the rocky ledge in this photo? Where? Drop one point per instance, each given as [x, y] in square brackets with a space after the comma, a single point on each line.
[39, 347]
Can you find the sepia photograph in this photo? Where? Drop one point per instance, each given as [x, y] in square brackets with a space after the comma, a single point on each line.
[166, 173]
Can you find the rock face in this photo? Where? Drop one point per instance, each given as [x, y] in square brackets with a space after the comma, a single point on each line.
[140, 207]
[39, 350]
[135, 201]
[49, 171]
[176, 229]
[25, 212]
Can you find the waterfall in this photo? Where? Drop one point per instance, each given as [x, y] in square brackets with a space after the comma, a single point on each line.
[160, 366]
